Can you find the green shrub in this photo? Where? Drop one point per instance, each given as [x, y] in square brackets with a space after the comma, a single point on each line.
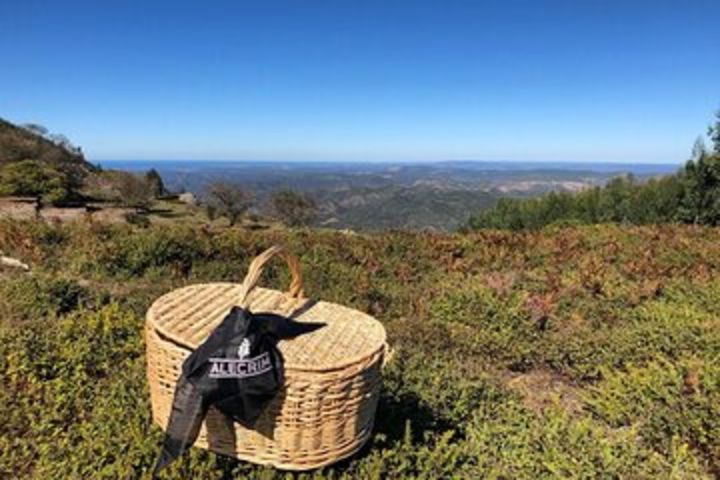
[63, 373]
[662, 328]
[136, 253]
[37, 179]
[137, 219]
[26, 298]
[664, 401]
[489, 325]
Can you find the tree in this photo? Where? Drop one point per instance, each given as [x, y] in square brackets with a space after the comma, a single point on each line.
[622, 199]
[133, 190]
[701, 188]
[714, 133]
[37, 179]
[229, 201]
[36, 129]
[294, 209]
[155, 183]
[64, 142]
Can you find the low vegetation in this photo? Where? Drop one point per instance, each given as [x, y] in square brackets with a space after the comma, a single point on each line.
[575, 352]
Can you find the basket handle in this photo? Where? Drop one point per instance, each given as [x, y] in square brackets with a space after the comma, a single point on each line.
[256, 269]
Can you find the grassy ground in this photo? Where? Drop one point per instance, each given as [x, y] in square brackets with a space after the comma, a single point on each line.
[585, 352]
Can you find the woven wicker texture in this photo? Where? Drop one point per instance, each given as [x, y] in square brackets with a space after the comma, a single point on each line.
[326, 410]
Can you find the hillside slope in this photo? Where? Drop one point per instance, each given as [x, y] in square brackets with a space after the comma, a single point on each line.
[585, 352]
[17, 144]
[404, 208]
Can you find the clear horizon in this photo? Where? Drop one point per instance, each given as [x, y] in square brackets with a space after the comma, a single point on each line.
[524, 81]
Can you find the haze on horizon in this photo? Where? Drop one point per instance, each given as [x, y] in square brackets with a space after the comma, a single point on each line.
[611, 81]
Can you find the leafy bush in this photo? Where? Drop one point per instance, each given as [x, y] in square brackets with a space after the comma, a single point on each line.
[61, 374]
[36, 179]
[26, 298]
[664, 402]
[294, 209]
[123, 188]
[138, 252]
[227, 200]
[137, 219]
[497, 327]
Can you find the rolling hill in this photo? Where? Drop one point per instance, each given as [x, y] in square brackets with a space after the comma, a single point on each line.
[35, 143]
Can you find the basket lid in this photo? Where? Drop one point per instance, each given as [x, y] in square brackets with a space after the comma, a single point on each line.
[188, 315]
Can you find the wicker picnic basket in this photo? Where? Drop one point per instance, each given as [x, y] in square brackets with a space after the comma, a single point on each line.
[332, 376]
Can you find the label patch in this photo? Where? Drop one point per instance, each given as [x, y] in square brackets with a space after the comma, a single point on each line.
[240, 368]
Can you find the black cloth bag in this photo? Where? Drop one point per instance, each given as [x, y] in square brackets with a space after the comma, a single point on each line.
[237, 370]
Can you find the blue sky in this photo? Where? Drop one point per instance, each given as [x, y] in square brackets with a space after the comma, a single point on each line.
[629, 81]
